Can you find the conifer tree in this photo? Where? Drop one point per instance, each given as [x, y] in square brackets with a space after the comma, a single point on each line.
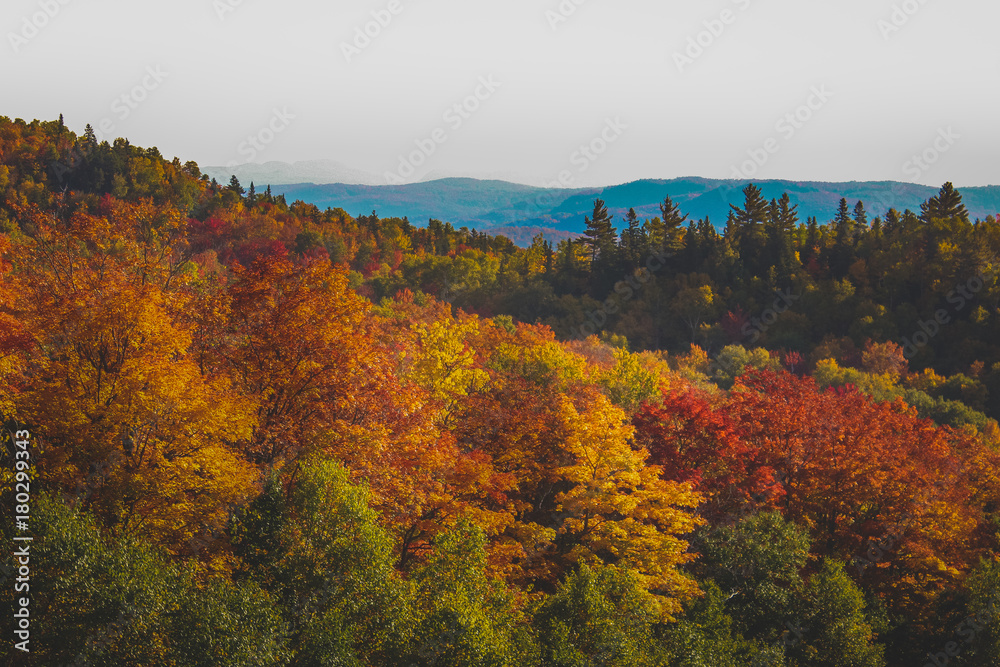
[600, 235]
[947, 205]
[673, 225]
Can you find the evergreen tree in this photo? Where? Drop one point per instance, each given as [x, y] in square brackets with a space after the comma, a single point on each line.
[673, 225]
[632, 241]
[946, 205]
[234, 186]
[747, 226]
[811, 248]
[860, 215]
[841, 254]
[601, 237]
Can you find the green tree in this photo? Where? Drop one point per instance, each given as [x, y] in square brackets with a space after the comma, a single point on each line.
[465, 616]
[331, 566]
[946, 205]
[673, 226]
[599, 616]
[600, 236]
[836, 632]
[758, 564]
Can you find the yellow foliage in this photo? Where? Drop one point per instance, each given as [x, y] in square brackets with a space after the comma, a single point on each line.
[618, 509]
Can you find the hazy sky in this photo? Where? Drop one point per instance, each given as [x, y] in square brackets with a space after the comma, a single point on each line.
[923, 83]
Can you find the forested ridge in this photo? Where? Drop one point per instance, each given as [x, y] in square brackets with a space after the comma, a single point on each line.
[267, 434]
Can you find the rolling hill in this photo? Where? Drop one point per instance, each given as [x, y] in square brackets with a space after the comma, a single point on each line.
[489, 205]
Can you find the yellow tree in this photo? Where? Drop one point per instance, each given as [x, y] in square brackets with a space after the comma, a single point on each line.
[617, 509]
[112, 385]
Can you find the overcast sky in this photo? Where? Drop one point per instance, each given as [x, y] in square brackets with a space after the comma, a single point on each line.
[894, 85]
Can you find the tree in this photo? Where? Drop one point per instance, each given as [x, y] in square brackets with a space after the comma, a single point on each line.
[465, 616]
[843, 244]
[837, 632]
[290, 337]
[861, 475]
[946, 205]
[860, 215]
[117, 601]
[633, 241]
[598, 616]
[116, 384]
[746, 229]
[600, 236]
[673, 226]
[331, 567]
[758, 563]
[694, 305]
[234, 186]
[693, 442]
[618, 509]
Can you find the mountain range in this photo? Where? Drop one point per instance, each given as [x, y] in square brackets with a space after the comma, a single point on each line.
[520, 211]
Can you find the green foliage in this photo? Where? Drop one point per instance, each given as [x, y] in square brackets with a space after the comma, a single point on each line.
[758, 564]
[598, 616]
[837, 632]
[979, 632]
[113, 602]
[704, 635]
[734, 360]
[465, 616]
[336, 576]
[629, 383]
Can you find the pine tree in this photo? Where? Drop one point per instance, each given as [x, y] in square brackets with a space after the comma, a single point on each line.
[892, 221]
[947, 205]
[811, 248]
[843, 243]
[632, 239]
[601, 237]
[747, 225]
[860, 215]
[234, 186]
[673, 225]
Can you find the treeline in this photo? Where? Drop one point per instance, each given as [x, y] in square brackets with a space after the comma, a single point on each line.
[261, 434]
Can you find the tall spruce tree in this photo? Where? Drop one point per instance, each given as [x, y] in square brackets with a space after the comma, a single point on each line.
[600, 236]
[946, 205]
[673, 226]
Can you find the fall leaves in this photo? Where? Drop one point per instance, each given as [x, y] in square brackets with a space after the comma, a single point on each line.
[187, 387]
[192, 383]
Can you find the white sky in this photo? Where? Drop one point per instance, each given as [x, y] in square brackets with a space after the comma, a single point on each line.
[609, 59]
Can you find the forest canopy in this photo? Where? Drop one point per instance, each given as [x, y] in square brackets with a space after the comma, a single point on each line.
[266, 434]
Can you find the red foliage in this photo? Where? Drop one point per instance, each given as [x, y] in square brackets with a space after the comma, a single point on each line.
[693, 442]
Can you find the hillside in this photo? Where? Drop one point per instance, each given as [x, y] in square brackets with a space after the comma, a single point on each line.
[243, 430]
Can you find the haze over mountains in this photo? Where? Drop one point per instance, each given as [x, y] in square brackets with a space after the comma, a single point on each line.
[519, 210]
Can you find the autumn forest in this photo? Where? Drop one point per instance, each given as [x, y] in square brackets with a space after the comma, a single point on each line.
[264, 434]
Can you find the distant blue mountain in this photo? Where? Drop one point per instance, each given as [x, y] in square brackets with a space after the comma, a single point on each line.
[486, 205]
